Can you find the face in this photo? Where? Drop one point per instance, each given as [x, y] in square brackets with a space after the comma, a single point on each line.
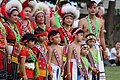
[117, 45]
[92, 10]
[42, 38]
[68, 20]
[80, 37]
[27, 12]
[56, 39]
[40, 18]
[30, 44]
[85, 51]
[100, 11]
[14, 16]
[91, 43]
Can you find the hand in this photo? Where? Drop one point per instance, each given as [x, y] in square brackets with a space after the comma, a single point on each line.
[105, 54]
[69, 76]
[25, 77]
[9, 59]
[62, 74]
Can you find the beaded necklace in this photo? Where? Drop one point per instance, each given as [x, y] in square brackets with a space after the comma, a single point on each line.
[93, 29]
[2, 29]
[15, 31]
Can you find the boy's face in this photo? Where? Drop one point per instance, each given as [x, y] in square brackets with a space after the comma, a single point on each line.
[91, 42]
[93, 9]
[56, 39]
[80, 37]
[42, 38]
[30, 44]
[85, 51]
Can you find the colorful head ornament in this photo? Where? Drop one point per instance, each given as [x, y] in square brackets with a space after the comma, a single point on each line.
[70, 10]
[76, 31]
[41, 7]
[30, 3]
[13, 5]
[85, 46]
[90, 37]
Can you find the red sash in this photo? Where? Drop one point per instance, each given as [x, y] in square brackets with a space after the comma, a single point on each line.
[41, 51]
[57, 57]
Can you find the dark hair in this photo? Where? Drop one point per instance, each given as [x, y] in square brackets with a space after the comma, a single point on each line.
[44, 18]
[9, 14]
[64, 2]
[90, 4]
[52, 33]
[74, 29]
[29, 37]
[90, 34]
[38, 31]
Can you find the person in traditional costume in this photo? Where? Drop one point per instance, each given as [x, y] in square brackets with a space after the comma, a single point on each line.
[41, 11]
[40, 49]
[3, 48]
[13, 34]
[73, 56]
[27, 57]
[68, 14]
[55, 53]
[93, 56]
[93, 24]
[28, 25]
[85, 62]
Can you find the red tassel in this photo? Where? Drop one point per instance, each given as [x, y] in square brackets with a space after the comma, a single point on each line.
[50, 12]
[22, 14]
[3, 10]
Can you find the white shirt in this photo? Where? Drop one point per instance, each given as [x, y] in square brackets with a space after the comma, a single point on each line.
[113, 50]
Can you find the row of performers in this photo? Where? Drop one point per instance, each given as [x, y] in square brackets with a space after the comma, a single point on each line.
[17, 40]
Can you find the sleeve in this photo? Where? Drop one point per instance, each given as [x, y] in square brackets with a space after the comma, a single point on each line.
[33, 25]
[23, 53]
[113, 50]
[36, 51]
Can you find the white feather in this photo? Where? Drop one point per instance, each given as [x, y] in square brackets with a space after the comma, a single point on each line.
[13, 3]
[71, 9]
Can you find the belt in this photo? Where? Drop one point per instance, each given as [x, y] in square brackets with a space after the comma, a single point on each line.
[11, 44]
[2, 50]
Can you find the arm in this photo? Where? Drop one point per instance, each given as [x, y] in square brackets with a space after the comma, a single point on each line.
[80, 23]
[23, 67]
[6, 48]
[102, 39]
[69, 53]
[49, 60]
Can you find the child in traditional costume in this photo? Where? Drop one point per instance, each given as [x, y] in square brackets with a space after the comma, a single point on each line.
[40, 49]
[93, 56]
[55, 54]
[84, 62]
[27, 57]
[73, 55]
[68, 14]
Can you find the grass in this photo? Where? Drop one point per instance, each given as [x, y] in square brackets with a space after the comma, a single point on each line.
[112, 73]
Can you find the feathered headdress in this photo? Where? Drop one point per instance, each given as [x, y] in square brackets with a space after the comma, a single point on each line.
[13, 4]
[41, 7]
[70, 10]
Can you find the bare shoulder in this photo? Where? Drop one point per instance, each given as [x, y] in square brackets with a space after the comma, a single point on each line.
[82, 22]
[49, 48]
[100, 20]
[82, 19]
